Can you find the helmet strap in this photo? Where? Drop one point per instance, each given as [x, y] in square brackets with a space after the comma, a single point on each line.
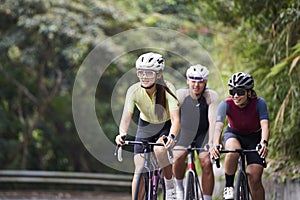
[203, 90]
[149, 87]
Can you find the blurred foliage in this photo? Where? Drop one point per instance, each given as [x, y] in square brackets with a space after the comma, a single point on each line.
[43, 43]
[265, 43]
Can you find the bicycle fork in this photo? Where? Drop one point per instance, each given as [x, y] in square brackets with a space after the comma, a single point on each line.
[244, 194]
[191, 170]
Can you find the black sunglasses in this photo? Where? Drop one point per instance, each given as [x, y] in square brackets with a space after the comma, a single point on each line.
[238, 91]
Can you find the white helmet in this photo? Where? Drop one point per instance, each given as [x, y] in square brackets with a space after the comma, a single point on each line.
[151, 61]
[197, 73]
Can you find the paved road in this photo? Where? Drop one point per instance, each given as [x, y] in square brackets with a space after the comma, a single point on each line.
[50, 195]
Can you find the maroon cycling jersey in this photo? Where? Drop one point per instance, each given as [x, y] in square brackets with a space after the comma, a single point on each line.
[243, 120]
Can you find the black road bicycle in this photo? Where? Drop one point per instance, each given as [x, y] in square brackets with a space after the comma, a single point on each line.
[242, 190]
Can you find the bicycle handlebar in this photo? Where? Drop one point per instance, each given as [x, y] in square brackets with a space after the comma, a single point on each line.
[240, 151]
[145, 144]
[204, 149]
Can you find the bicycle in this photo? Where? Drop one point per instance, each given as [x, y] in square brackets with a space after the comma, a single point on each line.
[242, 190]
[193, 189]
[150, 174]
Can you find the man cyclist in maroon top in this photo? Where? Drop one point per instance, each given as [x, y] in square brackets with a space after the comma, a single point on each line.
[248, 125]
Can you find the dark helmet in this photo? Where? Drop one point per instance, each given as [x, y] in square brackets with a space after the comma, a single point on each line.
[241, 80]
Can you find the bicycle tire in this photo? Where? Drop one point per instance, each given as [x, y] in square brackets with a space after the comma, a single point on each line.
[159, 187]
[190, 192]
[142, 179]
[241, 188]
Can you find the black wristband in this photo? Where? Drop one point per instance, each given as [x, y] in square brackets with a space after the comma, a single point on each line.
[265, 142]
[172, 136]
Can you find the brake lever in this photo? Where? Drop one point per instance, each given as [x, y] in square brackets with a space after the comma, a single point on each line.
[218, 146]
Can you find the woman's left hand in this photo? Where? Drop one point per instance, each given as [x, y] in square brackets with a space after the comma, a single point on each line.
[263, 151]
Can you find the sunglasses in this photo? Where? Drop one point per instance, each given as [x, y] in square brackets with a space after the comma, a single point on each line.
[145, 73]
[197, 79]
[238, 91]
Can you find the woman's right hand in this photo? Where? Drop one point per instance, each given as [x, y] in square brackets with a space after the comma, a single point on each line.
[120, 139]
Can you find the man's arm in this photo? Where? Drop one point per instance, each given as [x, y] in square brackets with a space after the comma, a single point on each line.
[212, 115]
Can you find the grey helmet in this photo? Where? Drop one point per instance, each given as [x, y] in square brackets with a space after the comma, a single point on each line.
[241, 80]
[151, 61]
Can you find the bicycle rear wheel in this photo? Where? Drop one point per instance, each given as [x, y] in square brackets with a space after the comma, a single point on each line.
[241, 188]
[159, 188]
[142, 186]
[190, 191]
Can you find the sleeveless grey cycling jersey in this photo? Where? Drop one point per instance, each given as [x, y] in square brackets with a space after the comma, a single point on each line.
[196, 115]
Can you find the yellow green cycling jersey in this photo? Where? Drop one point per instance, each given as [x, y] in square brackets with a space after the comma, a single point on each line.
[137, 96]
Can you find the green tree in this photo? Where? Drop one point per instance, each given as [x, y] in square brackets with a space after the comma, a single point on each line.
[42, 44]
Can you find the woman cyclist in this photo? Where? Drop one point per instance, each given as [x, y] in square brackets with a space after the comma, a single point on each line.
[248, 125]
[159, 115]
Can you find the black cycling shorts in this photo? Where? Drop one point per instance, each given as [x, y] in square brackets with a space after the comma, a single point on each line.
[150, 132]
[187, 137]
[248, 141]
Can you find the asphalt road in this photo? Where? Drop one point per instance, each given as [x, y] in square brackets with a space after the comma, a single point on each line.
[69, 195]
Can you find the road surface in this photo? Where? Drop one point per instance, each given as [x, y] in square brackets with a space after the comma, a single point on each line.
[68, 195]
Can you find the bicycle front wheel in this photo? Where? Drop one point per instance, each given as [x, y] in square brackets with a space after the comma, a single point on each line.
[142, 186]
[190, 191]
[241, 188]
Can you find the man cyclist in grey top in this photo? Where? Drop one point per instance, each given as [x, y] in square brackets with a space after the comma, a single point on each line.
[198, 107]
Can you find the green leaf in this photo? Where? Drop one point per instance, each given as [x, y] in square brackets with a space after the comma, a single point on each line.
[277, 69]
[14, 53]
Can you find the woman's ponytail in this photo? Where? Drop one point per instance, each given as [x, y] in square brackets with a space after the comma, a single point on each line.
[161, 100]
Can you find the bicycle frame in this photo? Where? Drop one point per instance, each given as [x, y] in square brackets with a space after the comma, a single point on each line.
[151, 168]
[242, 187]
[153, 171]
[156, 176]
[191, 170]
[191, 174]
[148, 168]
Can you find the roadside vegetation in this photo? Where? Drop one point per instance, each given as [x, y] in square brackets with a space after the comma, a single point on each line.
[43, 43]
